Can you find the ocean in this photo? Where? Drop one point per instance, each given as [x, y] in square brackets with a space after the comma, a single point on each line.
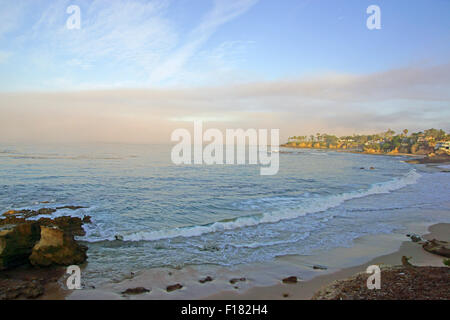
[169, 215]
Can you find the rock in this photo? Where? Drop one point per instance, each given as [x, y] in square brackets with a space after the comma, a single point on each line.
[174, 287]
[292, 279]
[10, 212]
[14, 288]
[28, 213]
[362, 168]
[45, 211]
[42, 242]
[70, 225]
[118, 237]
[12, 220]
[57, 247]
[414, 237]
[210, 247]
[207, 279]
[415, 283]
[16, 243]
[319, 267]
[33, 290]
[437, 158]
[22, 213]
[235, 280]
[405, 261]
[70, 207]
[372, 168]
[137, 290]
[441, 248]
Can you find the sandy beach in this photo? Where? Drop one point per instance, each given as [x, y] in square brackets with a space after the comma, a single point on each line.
[264, 281]
[305, 290]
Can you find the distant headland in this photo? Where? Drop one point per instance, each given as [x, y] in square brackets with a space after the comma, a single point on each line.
[432, 143]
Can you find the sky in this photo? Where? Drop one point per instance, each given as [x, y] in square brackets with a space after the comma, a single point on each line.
[135, 69]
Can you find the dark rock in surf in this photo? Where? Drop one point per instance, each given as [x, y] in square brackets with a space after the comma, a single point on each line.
[290, 280]
[174, 287]
[137, 290]
[235, 280]
[207, 279]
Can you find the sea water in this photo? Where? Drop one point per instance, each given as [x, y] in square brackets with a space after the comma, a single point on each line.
[177, 215]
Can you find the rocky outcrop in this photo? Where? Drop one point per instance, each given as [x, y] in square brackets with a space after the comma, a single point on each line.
[70, 225]
[438, 157]
[27, 282]
[398, 283]
[42, 242]
[13, 289]
[57, 247]
[28, 213]
[441, 248]
[16, 243]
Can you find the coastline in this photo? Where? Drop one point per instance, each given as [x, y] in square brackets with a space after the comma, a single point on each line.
[264, 280]
[398, 154]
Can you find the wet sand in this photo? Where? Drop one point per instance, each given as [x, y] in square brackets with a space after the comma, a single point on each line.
[263, 281]
[306, 289]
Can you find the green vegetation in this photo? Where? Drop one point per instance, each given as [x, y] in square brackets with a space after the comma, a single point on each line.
[425, 142]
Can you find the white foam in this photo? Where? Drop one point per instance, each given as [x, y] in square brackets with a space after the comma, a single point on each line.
[313, 205]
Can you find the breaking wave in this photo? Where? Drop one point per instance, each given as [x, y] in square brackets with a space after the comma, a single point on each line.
[309, 206]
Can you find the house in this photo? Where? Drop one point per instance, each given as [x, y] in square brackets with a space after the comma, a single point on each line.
[443, 145]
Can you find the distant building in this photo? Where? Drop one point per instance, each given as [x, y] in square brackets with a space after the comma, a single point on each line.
[443, 145]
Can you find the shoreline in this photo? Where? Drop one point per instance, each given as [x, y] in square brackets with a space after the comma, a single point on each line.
[305, 290]
[358, 152]
[264, 280]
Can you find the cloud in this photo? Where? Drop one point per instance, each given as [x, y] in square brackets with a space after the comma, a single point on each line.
[123, 31]
[222, 12]
[133, 42]
[413, 98]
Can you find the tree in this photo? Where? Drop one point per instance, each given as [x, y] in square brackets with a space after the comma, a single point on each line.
[405, 132]
[389, 133]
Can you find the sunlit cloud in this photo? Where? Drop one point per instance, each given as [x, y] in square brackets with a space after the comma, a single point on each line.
[413, 98]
